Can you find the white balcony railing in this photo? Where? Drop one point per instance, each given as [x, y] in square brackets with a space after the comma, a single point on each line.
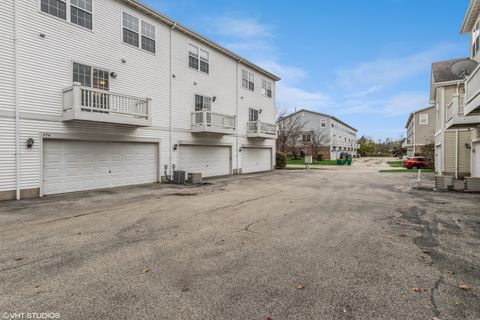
[82, 103]
[212, 122]
[456, 117]
[261, 129]
[455, 107]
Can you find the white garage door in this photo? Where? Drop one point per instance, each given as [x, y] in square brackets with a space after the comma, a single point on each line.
[477, 159]
[209, 160]
[82, 165]
[256, 159]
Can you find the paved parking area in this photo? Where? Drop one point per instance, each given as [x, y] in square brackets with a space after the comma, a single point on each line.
[336, 243]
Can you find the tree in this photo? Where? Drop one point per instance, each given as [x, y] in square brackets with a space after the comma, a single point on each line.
[318, 139]
[290, 130]
[428, 151]
[367, 146]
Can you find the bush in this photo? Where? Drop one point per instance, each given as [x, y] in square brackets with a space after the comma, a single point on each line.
[281, 160]
[319, 157]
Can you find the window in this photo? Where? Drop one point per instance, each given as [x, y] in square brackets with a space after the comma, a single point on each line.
[202, 103]
[424, 119]
[90, 77]
[81, 13]
[248, 80]
[204, 66]
[323, 123]
[266, 88]
[148, 37]
[198, 59]
[252, 114]
[306, 138]
[475, 39]
[332, 125]
[130, 29]
[57, 8]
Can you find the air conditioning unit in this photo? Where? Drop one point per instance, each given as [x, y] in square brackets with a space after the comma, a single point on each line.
[179, 177]
[443, 182]
[195, 177]
[472, 184]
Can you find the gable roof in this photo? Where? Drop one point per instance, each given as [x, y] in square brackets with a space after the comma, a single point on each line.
[320, 114]
[177, 26]
[441, 71]
[470, 17]
[413, 113]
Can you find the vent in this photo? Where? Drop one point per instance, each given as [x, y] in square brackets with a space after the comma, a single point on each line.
[179, 177]
[472, 184]
[443, 182]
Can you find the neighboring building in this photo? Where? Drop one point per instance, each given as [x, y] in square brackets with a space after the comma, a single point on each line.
[104, 93]
[452, 143]
[337, 136]
[420, 130]
[468, 114]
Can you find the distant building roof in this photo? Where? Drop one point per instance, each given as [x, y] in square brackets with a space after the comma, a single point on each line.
[441, 71]
[321, 114]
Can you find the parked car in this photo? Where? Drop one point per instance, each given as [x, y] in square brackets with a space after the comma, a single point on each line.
[416, 163]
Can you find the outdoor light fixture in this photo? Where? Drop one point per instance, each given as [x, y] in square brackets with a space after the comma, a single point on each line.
[30, 142]
[113, 75]
[260, 111]
[468, 146]
[240, 150]
[214, 98]
[175, 147]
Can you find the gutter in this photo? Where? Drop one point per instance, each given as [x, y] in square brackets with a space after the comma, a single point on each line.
[17, 108]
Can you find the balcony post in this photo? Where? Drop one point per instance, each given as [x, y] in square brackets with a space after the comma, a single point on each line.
[149, 108]
[76, 97]
[204, 119]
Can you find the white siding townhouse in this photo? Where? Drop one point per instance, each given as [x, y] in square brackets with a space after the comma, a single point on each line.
[104, 93]
[338, 136]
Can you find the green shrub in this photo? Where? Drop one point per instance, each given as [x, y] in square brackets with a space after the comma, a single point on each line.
[281, 160]
[319, 157]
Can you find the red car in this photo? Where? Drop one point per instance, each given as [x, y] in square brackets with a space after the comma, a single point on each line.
[416, 163]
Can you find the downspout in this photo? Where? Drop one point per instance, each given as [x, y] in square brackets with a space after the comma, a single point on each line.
[17, 108]
[414, 124]
[236, 119]
[170, 101]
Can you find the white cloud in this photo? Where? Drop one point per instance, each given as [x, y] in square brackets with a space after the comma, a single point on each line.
[246, 28]
[291, 97]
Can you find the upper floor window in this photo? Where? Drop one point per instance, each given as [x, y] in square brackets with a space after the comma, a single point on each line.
[424, 118]
[130, 29]
[80, 10]
[133, 28]
[266, 88]
[198, 59]
[57, 8]
[148, 37]
[91, 77]
[306, 138]
[248, 80]
[323, 123]
[252, 114]
[203, 103]
[81, 13]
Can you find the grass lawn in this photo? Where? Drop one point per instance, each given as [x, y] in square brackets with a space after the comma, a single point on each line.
[395, 164]
[404, 170]
[291, 160]
[298, 169]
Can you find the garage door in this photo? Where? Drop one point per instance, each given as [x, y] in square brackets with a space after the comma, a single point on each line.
[82, 165]
[209, 160]
[477, 159]
[256, 159]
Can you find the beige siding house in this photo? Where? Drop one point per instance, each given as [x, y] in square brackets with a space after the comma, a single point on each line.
[420, 130]
[452, 149]
[471, 111]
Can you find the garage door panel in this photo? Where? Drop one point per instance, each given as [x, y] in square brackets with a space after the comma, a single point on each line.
[209, 160]
[256, 160]
[79, 165]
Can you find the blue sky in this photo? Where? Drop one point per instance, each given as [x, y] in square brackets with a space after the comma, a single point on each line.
[366, 62]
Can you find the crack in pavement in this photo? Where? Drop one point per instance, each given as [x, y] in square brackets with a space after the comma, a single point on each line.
[435, 310]
[249, 225]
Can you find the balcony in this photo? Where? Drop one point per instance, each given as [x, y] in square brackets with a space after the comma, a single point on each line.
[82, 103]
[258, 129]
[455, 115]
[211, 122]
[472, 93]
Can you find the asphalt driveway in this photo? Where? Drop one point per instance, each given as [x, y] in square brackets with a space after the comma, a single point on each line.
[335, 243]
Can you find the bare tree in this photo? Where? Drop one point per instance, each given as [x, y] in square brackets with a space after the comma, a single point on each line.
[318, 139]
[290, 130]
